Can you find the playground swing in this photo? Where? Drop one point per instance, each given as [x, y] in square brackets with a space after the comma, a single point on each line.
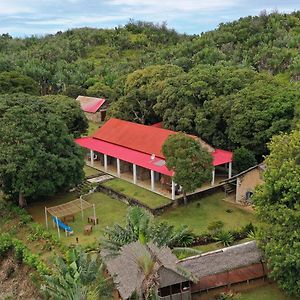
[67, 209]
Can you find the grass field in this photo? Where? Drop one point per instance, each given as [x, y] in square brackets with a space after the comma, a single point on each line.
[108, 211]
[88, 171]
[144, 196]
[92, 127]
[209, 209]
[267, 292]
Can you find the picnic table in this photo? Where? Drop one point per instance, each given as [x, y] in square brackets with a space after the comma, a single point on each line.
[93, 219]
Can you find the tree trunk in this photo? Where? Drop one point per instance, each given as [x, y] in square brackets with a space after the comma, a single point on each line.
[184, 198]
[22, 200]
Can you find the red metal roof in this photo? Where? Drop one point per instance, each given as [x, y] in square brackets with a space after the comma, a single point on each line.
[129, 155]
[158, 125]
[135, 143]
[90, 104]
[221, 157]
[135, 136]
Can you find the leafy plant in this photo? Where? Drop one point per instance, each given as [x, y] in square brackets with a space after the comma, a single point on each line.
[224, 237]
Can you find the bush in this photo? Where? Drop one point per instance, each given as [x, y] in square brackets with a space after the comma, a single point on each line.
[243, 159]
[215, 226]
[226, 238]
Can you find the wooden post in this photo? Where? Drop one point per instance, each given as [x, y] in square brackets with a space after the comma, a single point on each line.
[118, 168]
[230, 170]
[81, 207]
[57, 227]
[95, 220]
[152, 181]
[105, 162]
[46, 217]
[213, 176]
[173, 190]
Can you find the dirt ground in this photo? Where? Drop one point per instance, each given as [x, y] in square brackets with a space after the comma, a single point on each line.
[15, 282]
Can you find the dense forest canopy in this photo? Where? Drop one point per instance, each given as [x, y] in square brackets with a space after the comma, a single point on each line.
[235, 86]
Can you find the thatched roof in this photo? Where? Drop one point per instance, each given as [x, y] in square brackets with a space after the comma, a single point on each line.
[223, 260]
[128, 275]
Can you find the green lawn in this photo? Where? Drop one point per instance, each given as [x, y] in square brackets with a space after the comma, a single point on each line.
[88, 171]
[267, 292]
[211, 208]
[144, 196]
[109, 211]
[92, 127]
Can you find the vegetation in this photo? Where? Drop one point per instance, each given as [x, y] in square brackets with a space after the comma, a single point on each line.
[268, 292]
[191, 163]
[38, 156]
[80, 276]
[144, 196]
[198, 215]
[141, 227]
[234, 86]
[278, 205]
[243, 159]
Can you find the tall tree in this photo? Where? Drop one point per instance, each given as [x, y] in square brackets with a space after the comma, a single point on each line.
[278, 205]
[191, 163]
[13, 82]
[37, 155]
[70, 112]
[142, 89]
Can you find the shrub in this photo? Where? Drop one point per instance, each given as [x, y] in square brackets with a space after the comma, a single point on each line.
[215, 226]
[225, 238]
[243, 159]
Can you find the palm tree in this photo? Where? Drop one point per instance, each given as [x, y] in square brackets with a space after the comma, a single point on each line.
[78, 277]
[141, 226]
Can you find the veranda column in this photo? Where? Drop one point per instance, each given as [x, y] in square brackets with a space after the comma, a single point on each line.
[92, 158]
[152, 181]
[134, 173]
[173, 190]
[105, 162]
[213, 176]
[230, 170]
[118, 168]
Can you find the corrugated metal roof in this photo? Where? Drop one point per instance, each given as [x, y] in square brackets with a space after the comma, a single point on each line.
[90, 104]
[148, 139]
[135, 157]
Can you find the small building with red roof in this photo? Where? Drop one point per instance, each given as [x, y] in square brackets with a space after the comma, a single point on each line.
[134, 152]
[94, 108]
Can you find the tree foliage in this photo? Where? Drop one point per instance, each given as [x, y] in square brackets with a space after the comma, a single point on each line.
[80, 276]
[37, 155]
[243, 159]
[191, 163]
[277, 202]
[69, 111]
[13, 82]
[140, 226]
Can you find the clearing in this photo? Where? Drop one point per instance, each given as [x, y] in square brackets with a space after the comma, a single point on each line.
[199, 214]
